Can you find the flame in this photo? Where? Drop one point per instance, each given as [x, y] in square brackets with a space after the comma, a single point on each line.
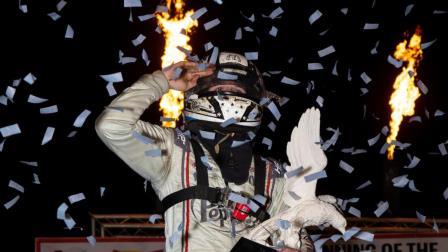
[402, 100]
[176, 29]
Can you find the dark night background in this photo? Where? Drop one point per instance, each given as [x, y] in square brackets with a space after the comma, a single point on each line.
[68, 70]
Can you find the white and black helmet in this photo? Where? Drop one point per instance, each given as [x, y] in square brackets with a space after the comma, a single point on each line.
[218, 106]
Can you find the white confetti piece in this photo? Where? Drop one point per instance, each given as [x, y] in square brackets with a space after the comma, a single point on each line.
[36, 179]
[35, 100]
[282, 224]
[315, 176]
[69, 222]
[289, 81]
[412, 186]
[2, 144]
[354, 211]
[324, 32]
[346, 167]
[384, 130]
[415, 119]
[49, 110]
[211, 24]
[365, 236]
[76, 198]
[60, 214]
[365, 78]
[374, 50]
[408, 9]
[161, 8]
[226, 76]
[154, 217]
[16, 186]
[138, 40]
[237, 198]
[435, 226]
[214, 56]
[253, 206]
[146, 17]
[344, 11]
[10, 92]
[333, 139]
[275, 13]
[414, 162]
[400, 181]
[273, 32]
[320, 101]
[69, 33]
[326, 51]
[114, 77]
[143, 139]
[435, 12]
[267, 142]
[394, 62]
[208, 46]
[228, 122]
[445, 194]
[294, 172]
[439, 113]
[10, 130]
[207, 134]
[371, 26]
[238, 143]
[238, 34]
[420, 217]
[24, 8]
[364, 185]
[274, 110]
[153, 153]
[272, 126]
[427, 44]
[442, 149]
[61, 5]
[132, 3]
[49, 132]
[373, 140]
[81, 118]
[30, 78]
[315, 66]
[54, 16]
[102, 189]
[110, 89]
[251, 55]
[145, 57]
[12, 202]
[335, 70]
[198, 13]
[314, 17]
[382, 207]
[350, 233]
[30, 163]
[4, 100]
[91, 240]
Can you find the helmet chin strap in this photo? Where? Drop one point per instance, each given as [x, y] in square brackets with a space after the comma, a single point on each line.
[216, 147]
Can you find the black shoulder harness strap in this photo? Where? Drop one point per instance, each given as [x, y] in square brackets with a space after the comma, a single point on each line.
[202, 189]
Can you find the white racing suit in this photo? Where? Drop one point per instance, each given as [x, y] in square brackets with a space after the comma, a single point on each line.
[191, 225]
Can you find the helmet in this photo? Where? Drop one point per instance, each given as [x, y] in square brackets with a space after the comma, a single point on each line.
[219, 106]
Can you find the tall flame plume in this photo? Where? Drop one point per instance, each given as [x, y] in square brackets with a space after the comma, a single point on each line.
[402, 100]
[176, 29]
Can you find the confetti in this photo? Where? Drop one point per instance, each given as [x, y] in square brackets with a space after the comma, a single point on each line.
[282, 224]
[420, 217]
[198, 13]
[354, 211]
[442, 149]
[273, 32]
[214, 56]
[274, 110]
[294, 172]
[315, 176]
[326, 51]
[114, 77]
[335, 70]
[146, 17]
[102, 189]
[81, 118]
[49, 110]
[54, 16]
[439, 113]
[314, 17]
[237, 198]
[251, 55]
[289, 81]
[207, 135]
[110, 89]
[365, 236]
[48, 135]
[374, 140]
[132, 3]
[371, 26]
[161, 8]
[30, 163]
[16, 186]
[12, 202]
[76, 198]
[267, 142]
[61, 5]
[346, 167]
[445, 194]
[211, 24]
[365, 78]
[60, 214]
[91, 240]
[427, 44]
[236, 143]
[154, 217]
[36, 179]
[30, 78]
[10, 130]
[394, 62]
[145, 57]
[412, 186]
[208, 46]
[228, 122]
[272, 126]
[2, 144]
[364, 185]
[315, 66]
[350, 232]
[153, 153]
[69, 33]
[35, 100]
[414, 162]
[344, 11]
[238, 34]
[382, 207]
[138, 40]
[400, 181]
[320, 101]
[275, 13]
[415, 119]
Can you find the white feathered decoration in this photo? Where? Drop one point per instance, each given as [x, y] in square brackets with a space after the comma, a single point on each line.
[303, 150]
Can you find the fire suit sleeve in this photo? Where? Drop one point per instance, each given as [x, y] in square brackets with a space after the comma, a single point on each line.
[120, 128]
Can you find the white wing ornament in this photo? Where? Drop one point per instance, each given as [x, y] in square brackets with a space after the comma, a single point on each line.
[303, 151]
